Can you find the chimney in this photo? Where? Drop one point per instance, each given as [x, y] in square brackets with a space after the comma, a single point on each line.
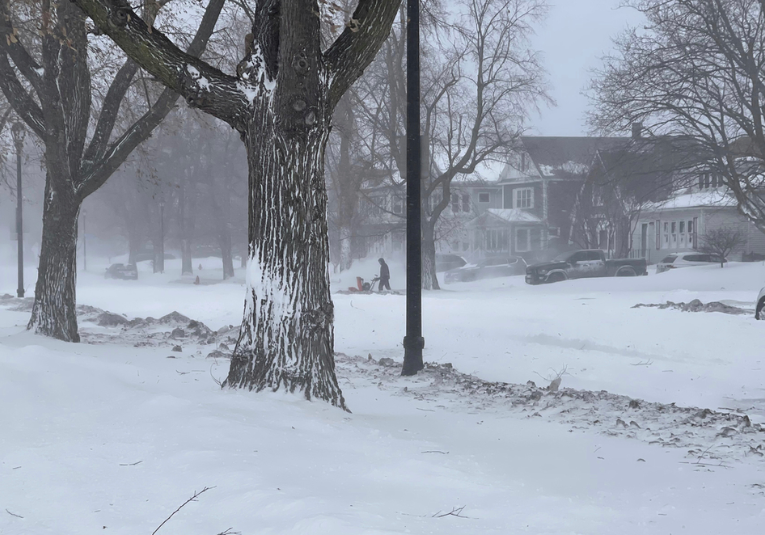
[637, 129]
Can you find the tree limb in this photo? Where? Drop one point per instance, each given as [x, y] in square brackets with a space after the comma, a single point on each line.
[111, 159]
[20, 100]
[202, 85]
[10, 43]
[357, 46]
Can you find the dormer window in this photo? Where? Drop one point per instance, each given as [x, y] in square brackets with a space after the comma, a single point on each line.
[710, 180]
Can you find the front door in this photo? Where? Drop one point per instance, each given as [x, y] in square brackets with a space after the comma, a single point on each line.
[643, 240]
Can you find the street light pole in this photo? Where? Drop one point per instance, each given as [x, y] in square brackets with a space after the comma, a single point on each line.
[413, 341]
[18, 132]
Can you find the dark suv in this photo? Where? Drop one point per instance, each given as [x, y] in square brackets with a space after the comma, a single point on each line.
[121, 271]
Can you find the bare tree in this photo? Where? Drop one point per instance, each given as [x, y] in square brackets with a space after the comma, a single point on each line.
[281, 101]
[696, 72]
[721, 242]
[480, 80]
[51, 66]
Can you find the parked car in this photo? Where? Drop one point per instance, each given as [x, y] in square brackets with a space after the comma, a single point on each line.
[445, 262]
[581, 264]
[689, 259]
[487, 268]
[759, 313]
[121, 271]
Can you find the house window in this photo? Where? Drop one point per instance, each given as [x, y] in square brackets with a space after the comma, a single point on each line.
[434, 200]
[484, 197]
[398, 205]
[692, 229]
[455, 203]
[707, 180]
[523, 198]
[681, 229]
[603, 239]
[553, 231]
[666, 235]
[522, 240]
[657, 230]
[496, 240]
[466, 202]
[376, 205]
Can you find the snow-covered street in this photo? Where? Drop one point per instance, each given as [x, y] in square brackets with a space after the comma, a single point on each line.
[105, 436]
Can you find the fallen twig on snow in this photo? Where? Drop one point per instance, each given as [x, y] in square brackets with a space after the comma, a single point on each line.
[436, 451]
[131, 464]
[192, 499]
[13, 514]
[456, 511]
[704, 453]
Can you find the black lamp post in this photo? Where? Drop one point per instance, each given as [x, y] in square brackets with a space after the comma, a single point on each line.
[18, 132]
[413, 341]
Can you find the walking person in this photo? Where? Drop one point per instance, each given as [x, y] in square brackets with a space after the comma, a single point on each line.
[384, 276]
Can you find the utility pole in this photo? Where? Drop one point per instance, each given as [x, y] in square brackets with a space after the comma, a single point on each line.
[18, 133]
[413, 341]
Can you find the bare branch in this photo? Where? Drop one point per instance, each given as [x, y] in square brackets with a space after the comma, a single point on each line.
[201, 84]
[192, 499]
[357, 46]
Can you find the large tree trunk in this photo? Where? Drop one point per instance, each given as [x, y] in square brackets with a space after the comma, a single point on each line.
[429, 278]
[54, 311]
[287, 336]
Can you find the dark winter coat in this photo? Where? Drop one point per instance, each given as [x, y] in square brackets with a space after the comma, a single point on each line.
[384, 271]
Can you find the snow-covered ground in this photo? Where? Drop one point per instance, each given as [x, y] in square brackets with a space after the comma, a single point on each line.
[108, 437]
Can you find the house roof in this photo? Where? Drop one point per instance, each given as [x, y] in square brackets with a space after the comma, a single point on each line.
[505, 215]
[567, 157]
[699, 199]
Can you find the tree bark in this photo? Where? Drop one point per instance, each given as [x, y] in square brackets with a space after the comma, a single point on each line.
[287, 336]
[54, 312]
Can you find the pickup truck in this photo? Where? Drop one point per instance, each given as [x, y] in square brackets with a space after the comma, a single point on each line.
[581, 264]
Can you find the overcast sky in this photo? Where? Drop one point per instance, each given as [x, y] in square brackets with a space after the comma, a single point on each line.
[573, 38]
